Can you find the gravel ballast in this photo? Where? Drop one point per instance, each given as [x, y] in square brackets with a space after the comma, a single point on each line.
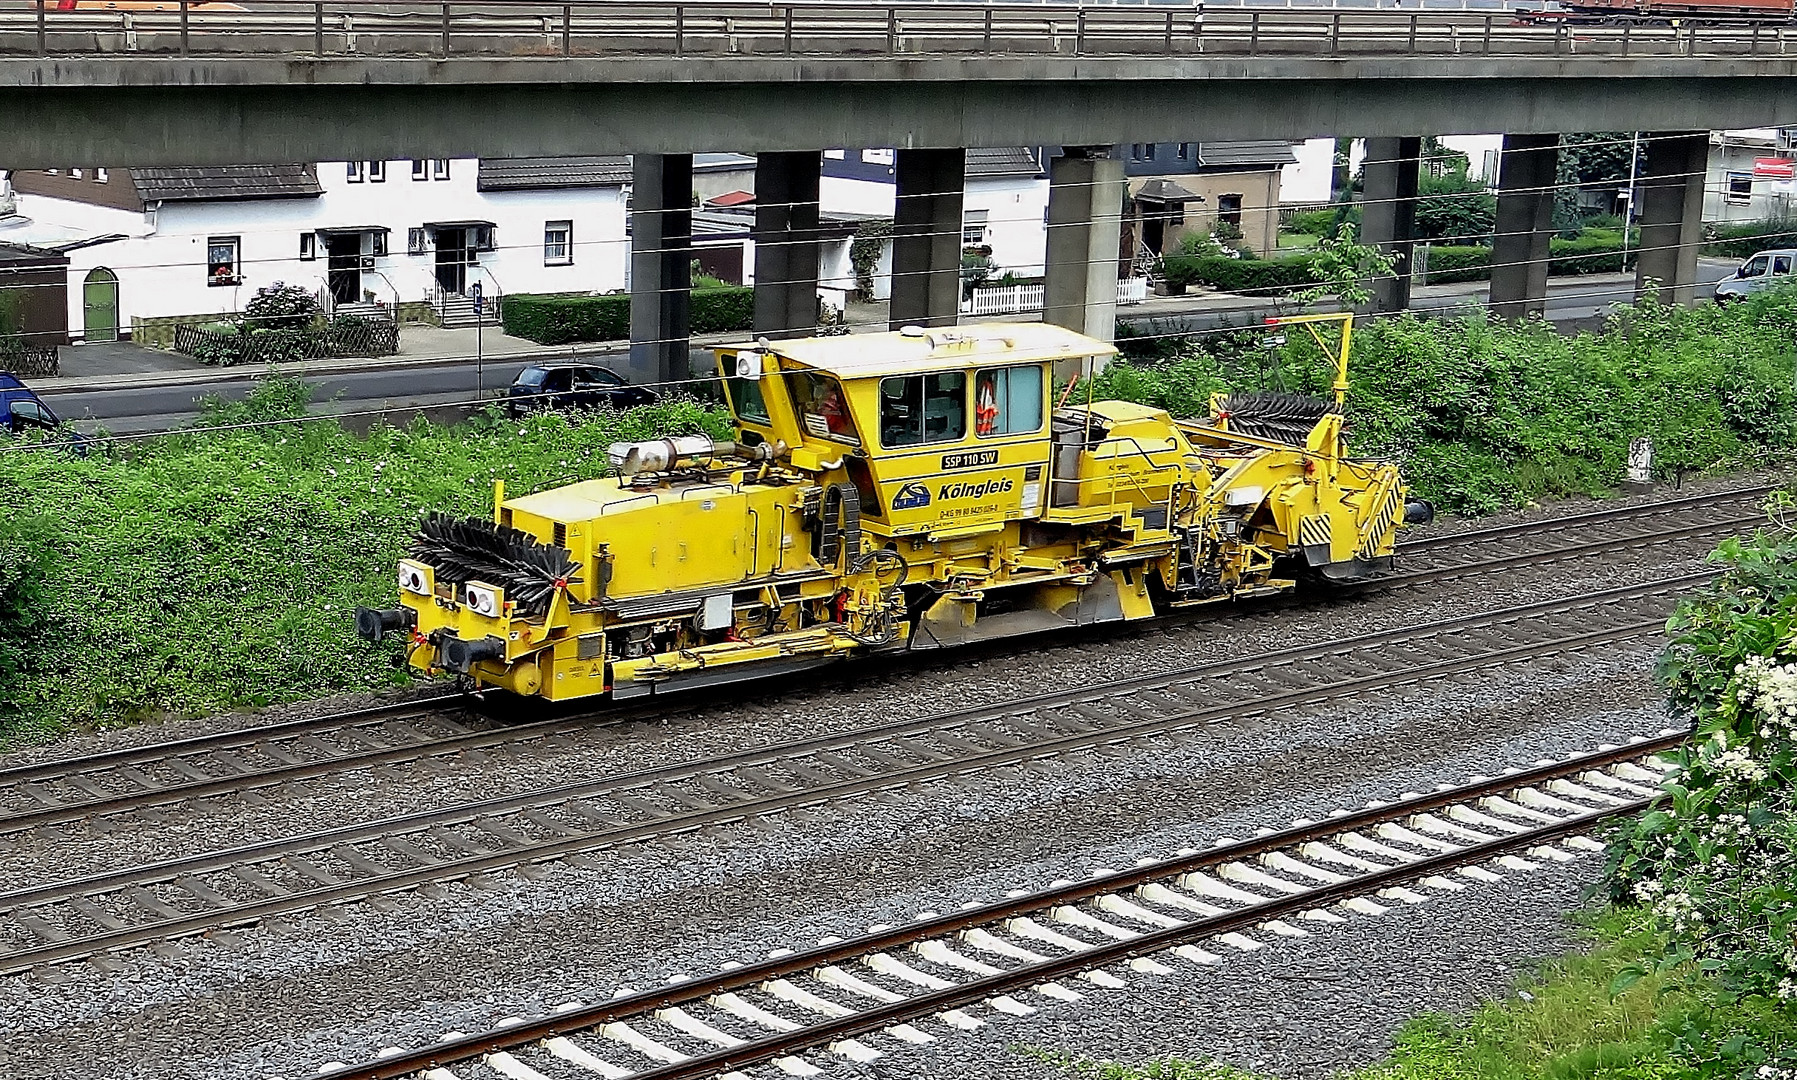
[283, 1001]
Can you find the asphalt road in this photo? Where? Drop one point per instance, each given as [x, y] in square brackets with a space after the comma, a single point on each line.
[445, 390]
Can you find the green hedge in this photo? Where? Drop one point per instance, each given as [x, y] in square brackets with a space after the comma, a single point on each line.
[1745, 239]
[565, 318]
[1448, 264]
[1259, 276]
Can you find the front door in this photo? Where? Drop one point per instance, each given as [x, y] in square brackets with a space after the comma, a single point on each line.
[100, 306]
[452, 260]
[345, 267]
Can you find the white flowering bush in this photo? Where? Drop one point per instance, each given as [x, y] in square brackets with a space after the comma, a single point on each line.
[1714, 861]
[221, 568]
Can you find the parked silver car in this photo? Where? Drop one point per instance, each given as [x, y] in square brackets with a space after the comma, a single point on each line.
[1766, 270]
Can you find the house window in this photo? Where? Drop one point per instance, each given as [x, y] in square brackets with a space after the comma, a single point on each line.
[416, 243]
[308, 246]
[558, 243]
[482, 238]
[835, 155]
[421, 169]
[440, 168]
[99, 176]
[355, 171]
[917, 409]
[877, 157]
[74, 174]
[1007, 401]
[1184, 151]
[221, 260]
[377, 172]
[1229, 210]
[1151, 150]
[973, 227]
[377, 243]
[1740, 187]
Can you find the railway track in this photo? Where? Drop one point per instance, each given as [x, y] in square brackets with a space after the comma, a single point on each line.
[916, 983]
[363, 862]
[88, 791]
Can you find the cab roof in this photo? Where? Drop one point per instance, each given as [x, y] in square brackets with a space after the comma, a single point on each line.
[950, 348]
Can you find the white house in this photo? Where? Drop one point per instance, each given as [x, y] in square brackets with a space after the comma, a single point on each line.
[1752, 175]
[1004, 202]
[153, 247]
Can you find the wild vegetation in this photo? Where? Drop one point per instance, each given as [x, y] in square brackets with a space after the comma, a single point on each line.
[1488, 414]
[211, 570]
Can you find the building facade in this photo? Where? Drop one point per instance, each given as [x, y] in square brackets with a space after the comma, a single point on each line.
[1752, 175]
[415, 237]
[1201, 189]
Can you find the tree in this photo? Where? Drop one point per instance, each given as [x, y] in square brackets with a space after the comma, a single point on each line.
[1452, 209]
[1343, 267]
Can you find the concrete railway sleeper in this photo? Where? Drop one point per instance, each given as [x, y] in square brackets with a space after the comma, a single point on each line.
[917, 983]
[92, 788]
[55, 922]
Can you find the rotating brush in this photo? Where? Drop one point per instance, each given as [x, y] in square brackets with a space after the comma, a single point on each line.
[475, 549]
[1282, 417]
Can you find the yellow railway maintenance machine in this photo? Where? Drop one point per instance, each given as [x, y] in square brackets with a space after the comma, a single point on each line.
[913, 490]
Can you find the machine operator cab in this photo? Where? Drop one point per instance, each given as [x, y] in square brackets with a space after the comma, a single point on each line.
[945, 432]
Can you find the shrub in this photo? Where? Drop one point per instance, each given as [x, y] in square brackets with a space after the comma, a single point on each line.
[281, 307]
[560, 319]
[1325, 221]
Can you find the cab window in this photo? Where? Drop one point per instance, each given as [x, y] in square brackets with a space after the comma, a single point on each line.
[823, 409]
[745, 396]
[918, 409]
[1007, 401]
[1755, 266]
[1781, 264]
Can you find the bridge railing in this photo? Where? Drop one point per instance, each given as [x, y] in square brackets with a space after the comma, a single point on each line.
[623, 28]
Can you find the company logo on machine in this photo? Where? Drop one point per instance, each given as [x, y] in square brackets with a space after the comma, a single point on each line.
[911, 496]
[976, 491]
[969, 459]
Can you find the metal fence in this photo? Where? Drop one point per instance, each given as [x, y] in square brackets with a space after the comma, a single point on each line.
[527, 29]
[342, 337]
[28, 361]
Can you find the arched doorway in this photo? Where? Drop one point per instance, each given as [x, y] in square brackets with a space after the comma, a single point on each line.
[100, 305]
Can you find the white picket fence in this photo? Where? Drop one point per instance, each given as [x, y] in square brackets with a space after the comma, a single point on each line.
[1013, 299]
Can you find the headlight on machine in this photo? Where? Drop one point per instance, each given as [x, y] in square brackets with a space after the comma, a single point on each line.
[482, 599]
[416, 577]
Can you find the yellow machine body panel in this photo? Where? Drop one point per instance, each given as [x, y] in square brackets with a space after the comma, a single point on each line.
[888, 491]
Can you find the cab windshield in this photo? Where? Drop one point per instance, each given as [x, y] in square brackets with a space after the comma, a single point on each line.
[822, 407]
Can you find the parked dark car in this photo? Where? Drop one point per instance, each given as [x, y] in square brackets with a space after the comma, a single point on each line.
[21, 410]
[572, 386]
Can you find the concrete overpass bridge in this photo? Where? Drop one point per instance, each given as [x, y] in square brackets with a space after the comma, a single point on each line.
[184, 83]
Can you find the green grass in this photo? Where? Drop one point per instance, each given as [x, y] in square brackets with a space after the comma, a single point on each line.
[1297, 241]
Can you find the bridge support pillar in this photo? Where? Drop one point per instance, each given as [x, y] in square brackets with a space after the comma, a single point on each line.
[1672, 214]
[1085, 222]
[1525, 223]
[926, 238]
[786, 243]
[661, 277]
[1388, 214]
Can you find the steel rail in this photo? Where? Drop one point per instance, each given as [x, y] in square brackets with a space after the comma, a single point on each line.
[1601, 516]
[969, 761]
[451, 1051]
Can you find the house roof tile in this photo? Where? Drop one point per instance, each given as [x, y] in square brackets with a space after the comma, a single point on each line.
[209, 182]
[529, 174]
